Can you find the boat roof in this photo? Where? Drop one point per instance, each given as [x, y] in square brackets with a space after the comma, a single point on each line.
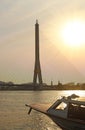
[79, 101]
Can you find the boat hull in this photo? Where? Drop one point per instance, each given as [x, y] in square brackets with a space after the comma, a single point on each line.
[68, 124]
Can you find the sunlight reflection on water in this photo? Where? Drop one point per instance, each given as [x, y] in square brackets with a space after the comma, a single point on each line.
[13, 113]
[77, 92]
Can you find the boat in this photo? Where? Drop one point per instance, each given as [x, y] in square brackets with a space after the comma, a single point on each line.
[67, 112]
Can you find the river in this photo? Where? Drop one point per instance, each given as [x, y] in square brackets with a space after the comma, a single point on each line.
[13, 113]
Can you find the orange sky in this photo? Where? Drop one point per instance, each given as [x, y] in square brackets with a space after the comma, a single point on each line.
[58, 60]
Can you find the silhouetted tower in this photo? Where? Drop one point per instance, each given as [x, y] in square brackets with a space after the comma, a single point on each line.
[37, 68]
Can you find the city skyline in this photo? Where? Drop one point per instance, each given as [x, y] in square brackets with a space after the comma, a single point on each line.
[59, 62]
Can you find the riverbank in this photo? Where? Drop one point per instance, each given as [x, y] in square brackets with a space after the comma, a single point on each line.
[41, 87]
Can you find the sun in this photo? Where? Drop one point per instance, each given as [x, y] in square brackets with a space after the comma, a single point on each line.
[73, 33]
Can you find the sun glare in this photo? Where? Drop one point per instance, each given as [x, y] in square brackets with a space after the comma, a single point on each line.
[74, 33]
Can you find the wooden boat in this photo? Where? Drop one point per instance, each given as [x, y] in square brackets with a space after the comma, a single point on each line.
[67, 112]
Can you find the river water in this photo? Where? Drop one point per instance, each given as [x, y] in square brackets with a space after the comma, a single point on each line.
[13, 113]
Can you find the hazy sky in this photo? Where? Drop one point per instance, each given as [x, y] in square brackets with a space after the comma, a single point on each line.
[58, 60]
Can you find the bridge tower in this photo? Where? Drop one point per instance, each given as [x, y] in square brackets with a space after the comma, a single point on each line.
[37, 69]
